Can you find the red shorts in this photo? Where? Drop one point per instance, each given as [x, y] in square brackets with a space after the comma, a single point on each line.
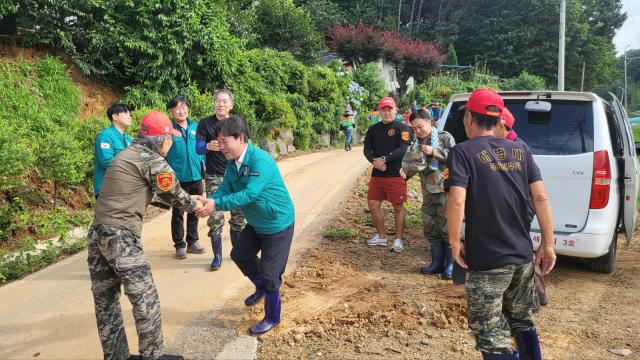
[392, 189]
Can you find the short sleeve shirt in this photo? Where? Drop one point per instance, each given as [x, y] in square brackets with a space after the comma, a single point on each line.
[496, 174]
[383, 139]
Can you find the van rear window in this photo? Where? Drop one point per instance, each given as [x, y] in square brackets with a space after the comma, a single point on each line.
[567, 130]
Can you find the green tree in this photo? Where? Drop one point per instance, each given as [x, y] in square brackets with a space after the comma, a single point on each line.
[524, 81]
[452, 57]
[281, 25]
[325, 14]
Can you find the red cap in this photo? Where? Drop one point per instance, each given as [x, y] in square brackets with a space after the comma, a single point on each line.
[507, 118]
[481, 99]
[157, 124]
[386, 102]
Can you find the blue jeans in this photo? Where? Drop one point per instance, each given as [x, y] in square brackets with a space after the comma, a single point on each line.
[347, 133]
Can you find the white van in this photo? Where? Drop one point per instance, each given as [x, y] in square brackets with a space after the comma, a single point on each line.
[584, 147]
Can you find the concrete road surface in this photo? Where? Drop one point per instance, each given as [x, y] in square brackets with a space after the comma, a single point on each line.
[49, 315]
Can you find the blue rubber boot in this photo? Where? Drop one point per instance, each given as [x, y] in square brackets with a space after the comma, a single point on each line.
[271, 314]
[437, 259]
[529, 345]
[258, 294]
[488, 356]
[447, 272]
[216, 244]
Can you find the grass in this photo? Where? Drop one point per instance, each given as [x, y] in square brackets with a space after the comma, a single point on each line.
[340, 233]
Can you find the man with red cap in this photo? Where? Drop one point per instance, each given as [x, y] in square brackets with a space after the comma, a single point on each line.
[490, 181]
[137, 177]
[385, 144]
[504, 129]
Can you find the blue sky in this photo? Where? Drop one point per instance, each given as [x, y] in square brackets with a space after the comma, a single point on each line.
[629, 33]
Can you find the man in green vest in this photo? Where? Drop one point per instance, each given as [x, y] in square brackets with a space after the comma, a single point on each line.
[189, 168]
[110, 142]
[253, 183]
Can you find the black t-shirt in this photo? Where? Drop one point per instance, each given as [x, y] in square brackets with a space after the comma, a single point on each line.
[389, 140]
[215, 160]
[496, 173]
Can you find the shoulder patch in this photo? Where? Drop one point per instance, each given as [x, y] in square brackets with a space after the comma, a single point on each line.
[445, 173]
[166, 181]
[405, 135]
[105, 145]
[391, 132]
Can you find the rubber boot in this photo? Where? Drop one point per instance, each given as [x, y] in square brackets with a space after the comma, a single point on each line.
[489, 356]
[529, 345]
[437, 259]
[257, 295]
[216, 245]
[271, 314]
[447, 273]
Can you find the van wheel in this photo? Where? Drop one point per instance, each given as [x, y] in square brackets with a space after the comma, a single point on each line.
[606, 263]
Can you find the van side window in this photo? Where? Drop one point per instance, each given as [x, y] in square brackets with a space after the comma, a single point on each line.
[454, 124]
[614, 132]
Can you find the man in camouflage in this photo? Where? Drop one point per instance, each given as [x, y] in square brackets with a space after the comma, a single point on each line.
[426, 157]
[139, 175]
[490, 181]
[216, 165]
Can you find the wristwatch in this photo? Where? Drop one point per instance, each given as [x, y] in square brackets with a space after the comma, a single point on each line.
[384, 159]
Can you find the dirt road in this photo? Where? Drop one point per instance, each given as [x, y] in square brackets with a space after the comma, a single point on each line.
[349, 301]
[49, 315]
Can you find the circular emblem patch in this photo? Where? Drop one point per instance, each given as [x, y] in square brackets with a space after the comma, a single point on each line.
[391, 132]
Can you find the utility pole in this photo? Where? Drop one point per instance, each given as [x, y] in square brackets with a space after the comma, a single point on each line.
[381, 7]
[563, 11]
[399, 12]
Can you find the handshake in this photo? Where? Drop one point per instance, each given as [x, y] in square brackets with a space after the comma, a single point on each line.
[204, 205]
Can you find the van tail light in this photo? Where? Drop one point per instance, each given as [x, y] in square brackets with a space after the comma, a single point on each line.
[601, 182]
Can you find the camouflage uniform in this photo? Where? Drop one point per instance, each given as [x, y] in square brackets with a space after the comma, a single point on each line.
[434, 199]
[136, 177]
[216, 220]
[500, 305]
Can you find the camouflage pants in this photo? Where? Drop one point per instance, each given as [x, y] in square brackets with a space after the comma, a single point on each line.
[116, 258]
[434, 217]
[500, 302]
[216, 220]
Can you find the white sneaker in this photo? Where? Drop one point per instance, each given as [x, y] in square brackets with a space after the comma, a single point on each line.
[397, 245]
[376, 240]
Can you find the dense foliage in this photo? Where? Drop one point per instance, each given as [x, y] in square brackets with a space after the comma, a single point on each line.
[509, 36]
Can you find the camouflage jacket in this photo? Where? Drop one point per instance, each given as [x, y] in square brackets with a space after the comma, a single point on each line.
[416, 162]
[137, 177]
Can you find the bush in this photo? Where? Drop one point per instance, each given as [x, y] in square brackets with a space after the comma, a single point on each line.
[368, 76]
[524, 81]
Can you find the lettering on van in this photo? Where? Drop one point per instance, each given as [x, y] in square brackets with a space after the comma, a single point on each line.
[578, 172]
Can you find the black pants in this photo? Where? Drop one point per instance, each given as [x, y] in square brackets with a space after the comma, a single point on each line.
[274, 250]
[177, 218]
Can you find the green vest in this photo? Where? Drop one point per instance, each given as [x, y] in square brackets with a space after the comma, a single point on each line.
[182, 157]
[109, 143]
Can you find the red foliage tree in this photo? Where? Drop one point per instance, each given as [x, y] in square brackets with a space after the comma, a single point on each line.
[357, 44]
[411, 57]
[363, 43]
